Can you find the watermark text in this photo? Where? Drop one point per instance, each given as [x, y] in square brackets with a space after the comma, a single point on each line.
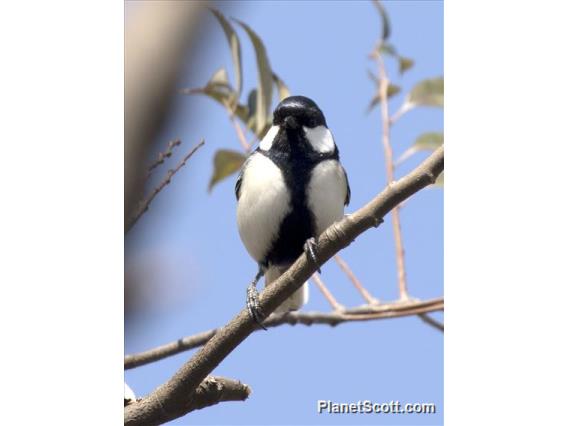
[370, 407]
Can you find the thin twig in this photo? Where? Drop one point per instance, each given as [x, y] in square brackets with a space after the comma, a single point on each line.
[367, 313]
[335, 305]
[163, 404]
[162, 156]
[383, 88]
[253, 140]
[145, 204]
[240, 134]
[238, 130]
[404, 108]
[347, 270]
[431, 321]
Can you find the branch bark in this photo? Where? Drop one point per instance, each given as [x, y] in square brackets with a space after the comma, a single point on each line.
[368, 313]
[163, 403]
[210, 391]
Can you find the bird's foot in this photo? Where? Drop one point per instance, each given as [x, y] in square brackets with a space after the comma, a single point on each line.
[311, 248]
[253, 306]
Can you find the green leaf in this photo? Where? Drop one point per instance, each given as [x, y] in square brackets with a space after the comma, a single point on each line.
[251, 121]
[264, 89]
[251, 105]
[251, 102]
[219, 89]
[425, 142]
[427, 93]
[384, 18]
[235, 46]
[404, 64]
[391, 91]
[220, 78]
[242, 112]
[283, 91]
[225, 163]
[388, 49]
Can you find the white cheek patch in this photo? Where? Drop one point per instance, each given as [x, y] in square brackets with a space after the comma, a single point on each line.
[268, 139]
[320, 138]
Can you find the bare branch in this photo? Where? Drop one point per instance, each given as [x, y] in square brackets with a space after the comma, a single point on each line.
[239, 131]
[405, 107]
[163, 155]
[163, 403]
[145, 204]
[378, 312]
[149, 96]
[326, 293]
[347, 270]
[210, 391]
[387, 122]
[431, 321]
[169, 349]
[383, 91]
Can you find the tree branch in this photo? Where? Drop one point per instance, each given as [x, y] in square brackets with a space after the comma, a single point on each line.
[373, 312]
[335, 305]
[218, 389]
[163, 403]
[405, 107]
[387, 123]
[383, 91]
[210, 391]
[353, 278]
[162, 156]
[145, 204]
[238, 130]
[431, 321]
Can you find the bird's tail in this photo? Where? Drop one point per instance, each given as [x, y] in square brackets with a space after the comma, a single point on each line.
[298, 299]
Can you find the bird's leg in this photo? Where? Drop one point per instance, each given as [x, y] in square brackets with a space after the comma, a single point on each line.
[252, 299]
[310, 248]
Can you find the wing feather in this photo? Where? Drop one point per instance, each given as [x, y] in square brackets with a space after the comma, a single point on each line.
[348, 193]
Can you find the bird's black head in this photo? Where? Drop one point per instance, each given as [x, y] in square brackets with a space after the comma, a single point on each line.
[296, 112]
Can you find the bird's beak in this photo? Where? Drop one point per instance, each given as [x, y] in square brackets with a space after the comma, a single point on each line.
[291, 123]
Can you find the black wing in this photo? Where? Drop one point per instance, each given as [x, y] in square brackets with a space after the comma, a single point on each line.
[348, 194]
[241, 175]
[238, 184]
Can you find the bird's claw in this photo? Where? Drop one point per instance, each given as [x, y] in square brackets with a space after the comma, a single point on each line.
[310, 248]
[253, 306]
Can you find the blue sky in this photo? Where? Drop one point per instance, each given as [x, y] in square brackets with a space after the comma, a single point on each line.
[196, 269]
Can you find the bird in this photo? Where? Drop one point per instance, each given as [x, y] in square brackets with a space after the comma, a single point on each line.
[289, 190]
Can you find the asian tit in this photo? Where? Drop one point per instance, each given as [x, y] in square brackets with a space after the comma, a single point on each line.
[289, 190]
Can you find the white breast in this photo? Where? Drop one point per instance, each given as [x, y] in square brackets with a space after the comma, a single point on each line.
[263, 203]
[326, 194]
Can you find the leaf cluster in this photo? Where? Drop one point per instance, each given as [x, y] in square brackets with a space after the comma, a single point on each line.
[428, 93]
[255, 113]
